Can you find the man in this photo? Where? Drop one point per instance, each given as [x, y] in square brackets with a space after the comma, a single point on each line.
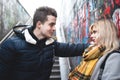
[29, 55]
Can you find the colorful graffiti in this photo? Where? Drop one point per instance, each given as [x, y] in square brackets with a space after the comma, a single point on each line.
[88, 12]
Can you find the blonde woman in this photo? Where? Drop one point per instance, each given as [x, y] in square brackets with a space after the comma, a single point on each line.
[104, 41]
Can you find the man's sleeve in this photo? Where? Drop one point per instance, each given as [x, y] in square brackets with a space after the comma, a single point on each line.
[6, 56]
[69, 50]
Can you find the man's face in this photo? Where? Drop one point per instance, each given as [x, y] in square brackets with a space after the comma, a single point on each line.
[48, 27]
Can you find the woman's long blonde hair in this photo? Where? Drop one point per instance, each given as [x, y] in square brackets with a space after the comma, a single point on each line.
[108, 34]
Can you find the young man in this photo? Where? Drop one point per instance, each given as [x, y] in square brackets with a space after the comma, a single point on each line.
[30, 54]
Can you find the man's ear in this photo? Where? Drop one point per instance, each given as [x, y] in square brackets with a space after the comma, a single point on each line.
[38, 25]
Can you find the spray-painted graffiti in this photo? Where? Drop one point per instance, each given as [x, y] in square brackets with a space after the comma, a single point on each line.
[88, 12]
[116, 19]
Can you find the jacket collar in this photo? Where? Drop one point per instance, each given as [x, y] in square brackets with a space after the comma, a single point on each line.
[29, 38]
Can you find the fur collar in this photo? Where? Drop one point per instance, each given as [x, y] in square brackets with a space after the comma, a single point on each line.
[31, 40]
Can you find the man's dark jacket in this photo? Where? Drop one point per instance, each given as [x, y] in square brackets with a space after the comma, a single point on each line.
[24, 59]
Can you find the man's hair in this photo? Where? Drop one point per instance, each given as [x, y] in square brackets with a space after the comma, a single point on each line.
[41, 14]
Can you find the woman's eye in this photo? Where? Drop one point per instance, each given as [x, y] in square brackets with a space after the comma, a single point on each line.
[94, 32]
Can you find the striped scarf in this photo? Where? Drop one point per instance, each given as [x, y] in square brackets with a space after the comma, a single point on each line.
[90, 57]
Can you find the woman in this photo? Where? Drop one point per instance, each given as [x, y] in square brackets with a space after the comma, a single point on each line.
[104, 40]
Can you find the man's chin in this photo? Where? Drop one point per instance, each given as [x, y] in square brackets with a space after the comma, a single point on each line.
[48, 36]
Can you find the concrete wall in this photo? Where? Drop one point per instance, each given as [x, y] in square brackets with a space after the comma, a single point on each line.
[11, 12]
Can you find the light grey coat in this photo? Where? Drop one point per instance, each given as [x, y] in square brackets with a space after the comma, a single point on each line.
[111, 69]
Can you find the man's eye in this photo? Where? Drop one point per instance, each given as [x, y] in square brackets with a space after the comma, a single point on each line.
[52, 24]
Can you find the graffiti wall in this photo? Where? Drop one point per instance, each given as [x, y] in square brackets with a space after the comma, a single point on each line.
[87, 12]
[11, 12]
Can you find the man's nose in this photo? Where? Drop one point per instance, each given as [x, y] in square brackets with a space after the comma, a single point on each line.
[54, 28]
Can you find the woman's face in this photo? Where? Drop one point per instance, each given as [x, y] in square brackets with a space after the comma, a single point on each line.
[94, 36]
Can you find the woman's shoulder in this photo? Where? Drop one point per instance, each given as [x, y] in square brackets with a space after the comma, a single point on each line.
[114, 53]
